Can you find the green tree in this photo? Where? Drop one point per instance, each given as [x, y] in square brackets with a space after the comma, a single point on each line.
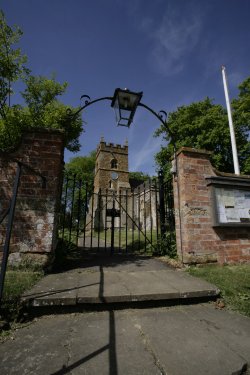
[42, 108]
[82, 167]
[77, 189]
[45, 110]
[241, 118]
[202, 125]
[12, 62]
[79, 178]
[140, 176]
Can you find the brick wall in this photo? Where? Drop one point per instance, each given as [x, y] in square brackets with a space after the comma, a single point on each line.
[198, 241]
[34, 228]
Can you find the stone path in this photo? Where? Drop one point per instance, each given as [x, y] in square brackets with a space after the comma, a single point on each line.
[104, 279]
[190, 340]
[181, 339]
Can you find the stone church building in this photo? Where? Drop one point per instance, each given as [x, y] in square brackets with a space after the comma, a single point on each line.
[111, 169]
[135, 202]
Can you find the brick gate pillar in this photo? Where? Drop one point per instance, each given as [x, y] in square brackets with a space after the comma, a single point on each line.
[35, 221]
[199, 240]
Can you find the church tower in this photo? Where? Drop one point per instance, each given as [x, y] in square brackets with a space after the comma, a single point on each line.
[111, 168]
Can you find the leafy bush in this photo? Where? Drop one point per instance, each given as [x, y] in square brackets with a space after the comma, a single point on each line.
[64, 250]
[16, 282]
[167, 245]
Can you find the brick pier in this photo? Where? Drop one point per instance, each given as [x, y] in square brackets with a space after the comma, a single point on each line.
[198, 239]
[34, 229]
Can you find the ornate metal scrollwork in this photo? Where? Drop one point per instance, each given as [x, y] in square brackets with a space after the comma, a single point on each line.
[87, 100]
[72, 114]
[163, 115]
[69, 112]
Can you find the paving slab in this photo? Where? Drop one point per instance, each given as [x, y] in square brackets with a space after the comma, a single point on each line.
[103, 280]
[109, 288]
[54, 287]
[185, 345]
[197, 339]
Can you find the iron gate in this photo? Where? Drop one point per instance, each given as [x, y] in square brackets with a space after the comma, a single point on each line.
[121, 221]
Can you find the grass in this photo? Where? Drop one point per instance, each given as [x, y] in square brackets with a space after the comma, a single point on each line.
[16, 282]
[67, 236]
[233, 281]
[134, 240]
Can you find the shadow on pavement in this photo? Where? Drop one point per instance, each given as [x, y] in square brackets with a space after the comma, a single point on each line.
[111, 346]
[82, 258]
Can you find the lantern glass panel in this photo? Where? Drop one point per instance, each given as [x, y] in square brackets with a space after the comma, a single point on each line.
[124, 104]
[127, 100]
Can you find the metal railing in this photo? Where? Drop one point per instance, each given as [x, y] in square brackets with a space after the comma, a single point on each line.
[10, 212]
[128, 220]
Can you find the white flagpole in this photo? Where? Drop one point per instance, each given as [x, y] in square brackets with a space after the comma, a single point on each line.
[230, 120]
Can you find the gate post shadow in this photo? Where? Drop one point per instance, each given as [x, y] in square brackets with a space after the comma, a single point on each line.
[111, 346]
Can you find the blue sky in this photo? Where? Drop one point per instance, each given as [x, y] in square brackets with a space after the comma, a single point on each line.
[172, 50]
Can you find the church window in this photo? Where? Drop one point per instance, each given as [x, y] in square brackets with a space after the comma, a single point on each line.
[111, 184]
[114, 164]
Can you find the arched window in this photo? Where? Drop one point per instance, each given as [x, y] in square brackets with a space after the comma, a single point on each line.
[114, 164]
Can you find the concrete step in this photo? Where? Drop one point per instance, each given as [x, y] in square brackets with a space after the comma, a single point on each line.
[100, 285]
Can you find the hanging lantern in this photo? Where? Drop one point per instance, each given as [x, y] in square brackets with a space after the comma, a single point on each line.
[125, 103]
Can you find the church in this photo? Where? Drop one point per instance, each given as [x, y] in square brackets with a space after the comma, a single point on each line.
[133, 202]
[111, 168]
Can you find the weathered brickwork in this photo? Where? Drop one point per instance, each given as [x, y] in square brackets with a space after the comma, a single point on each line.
[197, 240]
[34, 228]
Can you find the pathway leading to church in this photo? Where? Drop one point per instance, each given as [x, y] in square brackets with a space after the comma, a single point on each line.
[98, 278]
[181, 339]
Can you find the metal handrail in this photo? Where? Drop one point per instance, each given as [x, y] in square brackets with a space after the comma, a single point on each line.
[25, 165]
[11, 211]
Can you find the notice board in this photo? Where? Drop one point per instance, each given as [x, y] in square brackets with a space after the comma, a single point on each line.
[232, 206]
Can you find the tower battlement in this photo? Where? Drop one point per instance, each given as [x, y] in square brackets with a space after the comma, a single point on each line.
[111, 168]
[112, 147]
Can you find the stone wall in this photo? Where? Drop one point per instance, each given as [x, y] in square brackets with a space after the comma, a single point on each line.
[198, 239]
[106, 152]
[34, 228]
